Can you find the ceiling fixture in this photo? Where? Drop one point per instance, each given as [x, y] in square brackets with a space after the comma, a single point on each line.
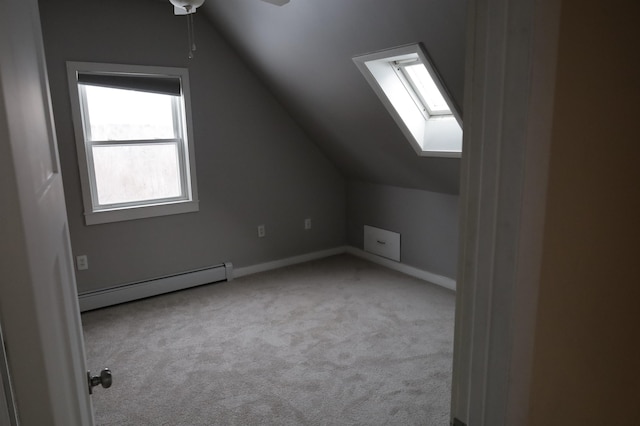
[188, 7]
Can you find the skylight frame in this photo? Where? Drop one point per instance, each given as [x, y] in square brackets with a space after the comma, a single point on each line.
[431, 135]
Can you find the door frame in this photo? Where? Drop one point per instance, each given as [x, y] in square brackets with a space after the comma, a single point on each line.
[509, 94]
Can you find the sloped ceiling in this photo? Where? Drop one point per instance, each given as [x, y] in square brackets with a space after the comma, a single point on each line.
[303, 52]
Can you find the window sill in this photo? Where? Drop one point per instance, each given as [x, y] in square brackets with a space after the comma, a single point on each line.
[143, 212]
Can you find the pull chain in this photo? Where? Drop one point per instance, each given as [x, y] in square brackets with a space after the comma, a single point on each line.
[190, 32]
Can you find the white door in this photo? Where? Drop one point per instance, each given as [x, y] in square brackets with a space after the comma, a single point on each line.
[39, 312]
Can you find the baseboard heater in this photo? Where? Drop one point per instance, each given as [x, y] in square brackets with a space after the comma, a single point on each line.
[153, 287]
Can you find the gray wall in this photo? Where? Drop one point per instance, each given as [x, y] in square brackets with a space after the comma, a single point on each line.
[254, 164]
[427, 222]
[304, 52]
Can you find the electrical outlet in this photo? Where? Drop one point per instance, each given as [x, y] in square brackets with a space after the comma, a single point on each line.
[307, 223]
[262, 232]
[82, 262]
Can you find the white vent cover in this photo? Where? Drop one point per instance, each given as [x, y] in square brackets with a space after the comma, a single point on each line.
[382, 242]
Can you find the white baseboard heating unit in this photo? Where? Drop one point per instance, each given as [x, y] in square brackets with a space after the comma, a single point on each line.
[153, 287]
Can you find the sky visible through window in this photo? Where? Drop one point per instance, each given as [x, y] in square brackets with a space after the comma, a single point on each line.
[428, 90]
[130, 173]
[118, 114]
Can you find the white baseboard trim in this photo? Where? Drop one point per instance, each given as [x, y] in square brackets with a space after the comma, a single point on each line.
[440, 280]
[268, 266]
[130, 292]
[153, 287]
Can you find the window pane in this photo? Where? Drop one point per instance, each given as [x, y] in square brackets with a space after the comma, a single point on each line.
[428, 89]
[129, 173]
[117, 114]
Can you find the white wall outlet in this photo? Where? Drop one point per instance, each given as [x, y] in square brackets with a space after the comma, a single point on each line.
[262, 232]
[82, 262]
[307, 223]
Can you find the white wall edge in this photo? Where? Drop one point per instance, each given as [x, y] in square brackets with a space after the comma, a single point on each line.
[153, 287]
[268, 266]
[436, 279]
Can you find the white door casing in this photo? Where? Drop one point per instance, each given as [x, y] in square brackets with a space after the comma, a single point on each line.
[508, 114]
[38, 297]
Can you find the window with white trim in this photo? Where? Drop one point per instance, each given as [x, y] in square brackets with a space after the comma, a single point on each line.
[409, 86]
[134, 140]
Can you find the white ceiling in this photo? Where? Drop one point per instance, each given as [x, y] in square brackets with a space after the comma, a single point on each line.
[303, 52]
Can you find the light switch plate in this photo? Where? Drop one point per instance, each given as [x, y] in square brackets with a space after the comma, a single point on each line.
[82, 262]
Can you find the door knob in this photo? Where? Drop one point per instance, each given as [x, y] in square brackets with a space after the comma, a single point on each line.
[103, 379]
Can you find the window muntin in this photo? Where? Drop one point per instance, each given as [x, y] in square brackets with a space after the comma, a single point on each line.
[134, 146]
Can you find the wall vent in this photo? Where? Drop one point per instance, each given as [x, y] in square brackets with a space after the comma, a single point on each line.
[382, 242]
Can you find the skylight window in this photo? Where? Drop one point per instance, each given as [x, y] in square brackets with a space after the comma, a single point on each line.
[408, 85]
[424, 86]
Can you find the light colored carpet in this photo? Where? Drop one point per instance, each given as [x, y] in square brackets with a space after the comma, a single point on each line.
[339, 341]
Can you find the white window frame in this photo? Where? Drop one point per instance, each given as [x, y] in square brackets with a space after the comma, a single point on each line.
[96, 213]
[430, 134]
